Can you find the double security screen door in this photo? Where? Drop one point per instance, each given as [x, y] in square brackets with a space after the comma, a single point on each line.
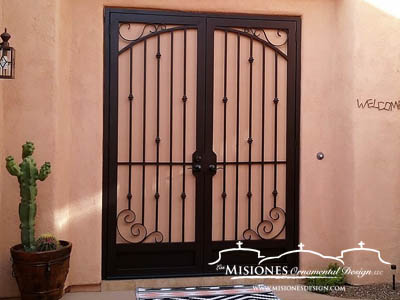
[201, 140]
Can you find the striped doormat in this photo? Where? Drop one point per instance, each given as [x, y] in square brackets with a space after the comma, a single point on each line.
[237, 292]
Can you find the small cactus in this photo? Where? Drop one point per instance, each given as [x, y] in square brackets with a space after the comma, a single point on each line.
[47, 242]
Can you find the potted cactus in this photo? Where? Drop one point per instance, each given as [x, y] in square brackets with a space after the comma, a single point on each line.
[39, 266]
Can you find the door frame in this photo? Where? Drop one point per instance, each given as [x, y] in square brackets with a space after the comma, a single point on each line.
[107, 122]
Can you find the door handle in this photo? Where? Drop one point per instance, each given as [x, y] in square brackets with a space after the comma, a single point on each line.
[213, 168]
[196, 168]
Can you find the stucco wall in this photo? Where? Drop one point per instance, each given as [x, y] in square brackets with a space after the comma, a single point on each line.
[28, 114]
[3, 267]
[376, 74]
[56, 101]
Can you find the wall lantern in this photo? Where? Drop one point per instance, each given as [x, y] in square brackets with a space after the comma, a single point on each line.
[7, 57]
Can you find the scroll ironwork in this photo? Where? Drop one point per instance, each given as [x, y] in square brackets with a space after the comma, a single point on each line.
[266, 228]
[152, 29]
[137, 230]
[257, 32]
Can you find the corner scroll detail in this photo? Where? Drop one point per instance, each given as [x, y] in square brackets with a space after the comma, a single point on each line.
[257, 32]
[137, 230]
[266, 229]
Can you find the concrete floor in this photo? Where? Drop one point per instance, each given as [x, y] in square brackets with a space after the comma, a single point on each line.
[130, 295]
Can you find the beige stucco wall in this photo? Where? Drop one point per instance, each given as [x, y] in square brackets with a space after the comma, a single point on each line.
[376, 74]
[28, 114]
[56, 101]
[1, 110]
[3, 268]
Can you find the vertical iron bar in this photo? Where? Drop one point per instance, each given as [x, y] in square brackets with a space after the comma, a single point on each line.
[170, 134]
[157, 195]
[276, 100]
[250, 139]
[237, 137]
[225, 100]
[184, 99]
[130, 98]
[144, 129]
[263, 134]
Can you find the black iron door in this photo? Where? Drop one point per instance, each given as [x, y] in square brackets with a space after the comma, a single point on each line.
[201, 140]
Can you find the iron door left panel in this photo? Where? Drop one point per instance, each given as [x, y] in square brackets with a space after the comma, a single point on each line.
[153, 129]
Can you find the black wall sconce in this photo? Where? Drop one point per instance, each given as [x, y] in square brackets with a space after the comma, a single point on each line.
[7, 57]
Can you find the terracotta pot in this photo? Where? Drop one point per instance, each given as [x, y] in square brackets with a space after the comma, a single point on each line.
[41, 275]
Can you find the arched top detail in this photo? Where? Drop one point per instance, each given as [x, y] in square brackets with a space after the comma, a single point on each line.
[256, 38]
[152, 34]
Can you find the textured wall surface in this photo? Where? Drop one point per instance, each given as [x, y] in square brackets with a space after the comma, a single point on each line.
[376, 75]
[4, 268]
[28, 114]
[56, 101]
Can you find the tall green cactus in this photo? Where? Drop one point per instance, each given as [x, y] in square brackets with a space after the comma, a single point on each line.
[27, 175]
